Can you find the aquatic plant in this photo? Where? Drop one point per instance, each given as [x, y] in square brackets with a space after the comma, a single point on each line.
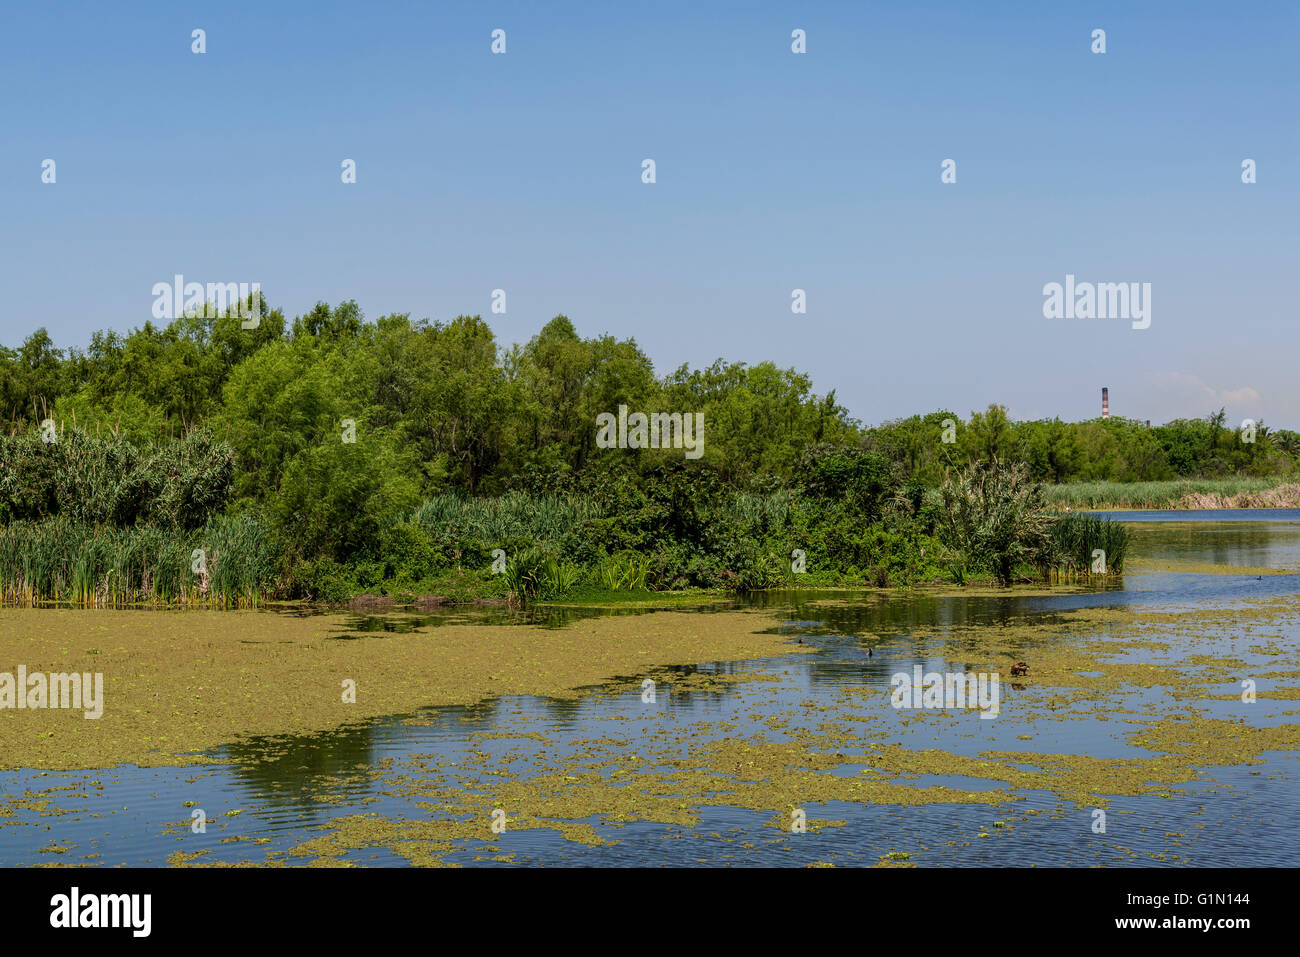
[957, 569]
[230, 561]
[624, 571]
[1075, 538]
[535, 574]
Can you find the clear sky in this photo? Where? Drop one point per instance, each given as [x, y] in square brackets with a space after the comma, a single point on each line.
[775, 171]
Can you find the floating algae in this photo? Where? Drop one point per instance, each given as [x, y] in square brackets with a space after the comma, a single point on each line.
[176, 683]
[771, 741]
[682, 771]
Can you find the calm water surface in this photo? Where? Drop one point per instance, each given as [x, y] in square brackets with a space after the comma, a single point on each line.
[284, 789]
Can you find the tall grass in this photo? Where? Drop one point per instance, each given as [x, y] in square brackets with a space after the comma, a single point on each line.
[58, 560]
[241, 560]
[1076, 537]
[760, 514]
[1164, 494]
[536, 575]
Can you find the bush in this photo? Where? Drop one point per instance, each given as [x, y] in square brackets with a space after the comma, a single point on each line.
[336, 498]
[193, 478]
[408, 553]
[107, 481]
[321, 580]
[862, 482]
[994, 516]
[749, 568]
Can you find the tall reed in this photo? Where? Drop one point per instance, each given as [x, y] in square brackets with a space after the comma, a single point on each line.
[1077, 537]
[1162, 494]
[58, 560]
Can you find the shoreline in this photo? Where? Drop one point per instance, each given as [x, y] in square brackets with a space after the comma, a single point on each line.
[1175, 495]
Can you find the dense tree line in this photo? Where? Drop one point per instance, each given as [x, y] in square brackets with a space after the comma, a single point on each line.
[350, 442]
[448, 407]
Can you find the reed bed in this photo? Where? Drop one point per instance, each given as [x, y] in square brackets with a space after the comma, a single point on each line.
[58, 560]
[1179, 493]
[1283, 496]
[1075, 539]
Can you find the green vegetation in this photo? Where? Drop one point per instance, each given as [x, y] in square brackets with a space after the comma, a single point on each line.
[537, 575]
[95, 521]
[59, 560]
[1154, 495]
[331, 456]
[1078, 537]
[993, 516]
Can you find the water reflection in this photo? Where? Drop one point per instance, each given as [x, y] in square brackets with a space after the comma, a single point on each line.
[288, 771]
[287, 783]
[1246, 544]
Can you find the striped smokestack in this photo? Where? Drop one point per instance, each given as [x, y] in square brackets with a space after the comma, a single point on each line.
[1105, 402]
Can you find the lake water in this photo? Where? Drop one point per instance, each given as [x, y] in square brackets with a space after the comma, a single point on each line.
[286, 792]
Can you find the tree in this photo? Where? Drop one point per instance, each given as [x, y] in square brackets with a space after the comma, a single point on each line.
[988, 436]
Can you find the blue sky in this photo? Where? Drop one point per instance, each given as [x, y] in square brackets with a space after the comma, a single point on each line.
[775, 171]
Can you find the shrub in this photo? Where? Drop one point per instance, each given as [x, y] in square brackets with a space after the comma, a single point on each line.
[337, 497]
[993, 514]
[321, 580]
[408, 553]
[625, 571]
[863, 482]
[749, 568]
[90, 480]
